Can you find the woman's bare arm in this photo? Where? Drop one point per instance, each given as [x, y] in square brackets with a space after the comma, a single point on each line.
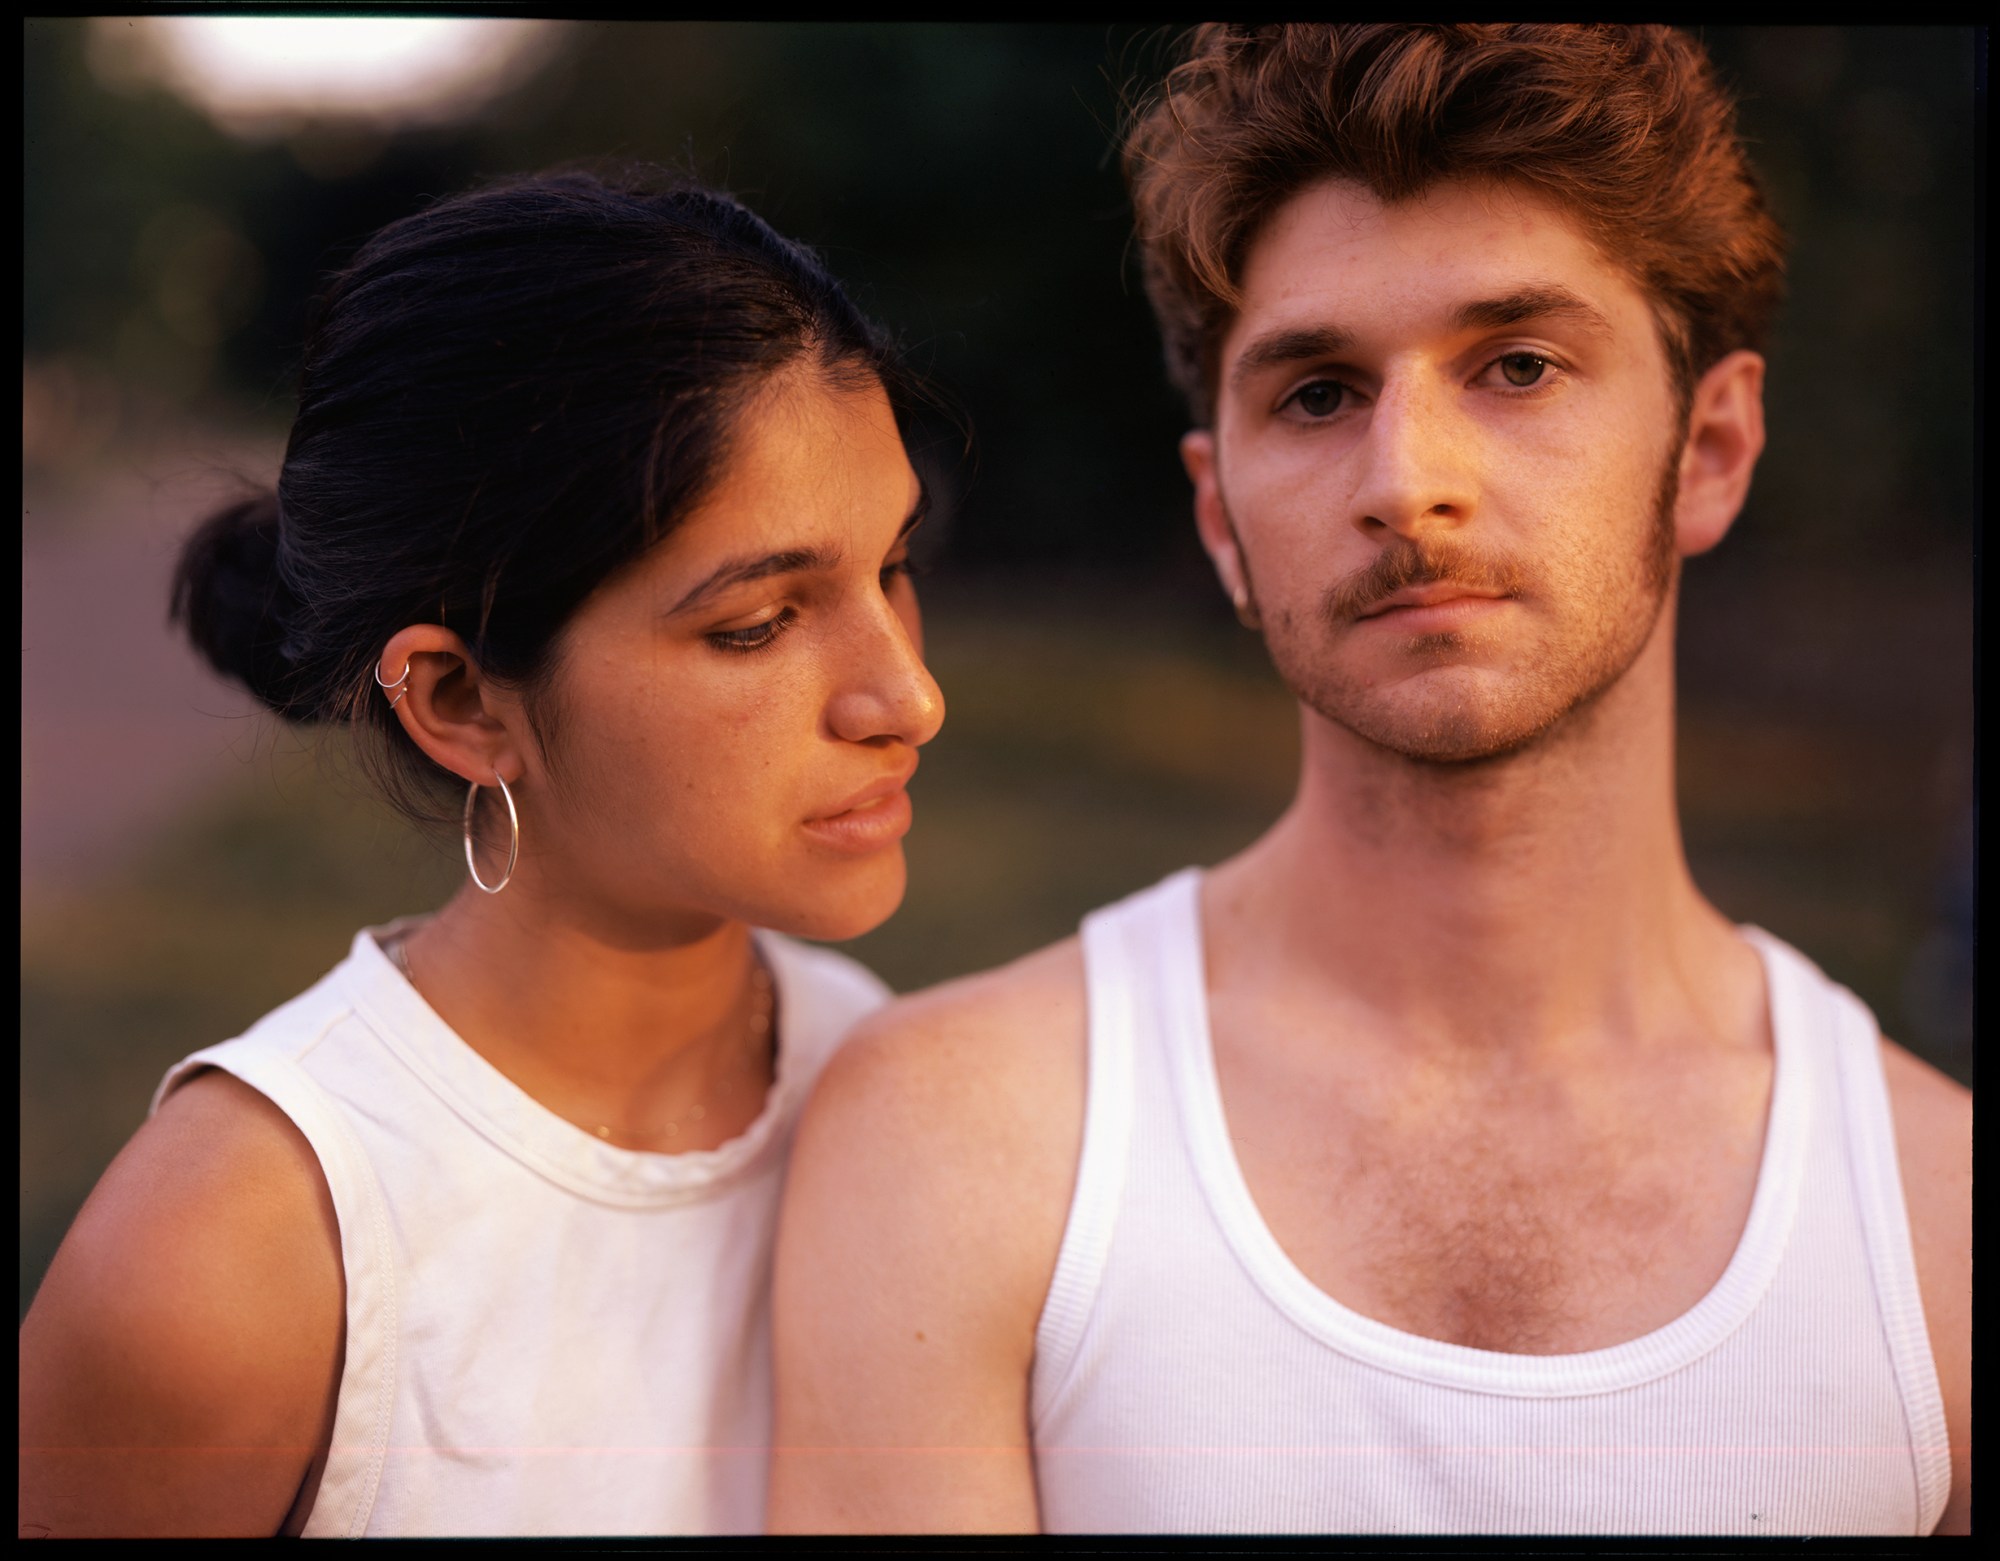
[180, 1364]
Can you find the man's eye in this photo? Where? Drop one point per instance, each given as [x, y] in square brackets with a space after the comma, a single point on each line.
[1523, 369]
[1319, 399]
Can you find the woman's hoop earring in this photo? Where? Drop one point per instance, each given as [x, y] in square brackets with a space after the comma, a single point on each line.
[397, 686]
[513, 845]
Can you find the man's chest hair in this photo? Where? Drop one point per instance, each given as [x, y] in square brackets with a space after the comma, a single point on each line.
[1502, 1225]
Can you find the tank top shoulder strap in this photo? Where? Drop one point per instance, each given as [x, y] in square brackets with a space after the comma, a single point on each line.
[1123, 947]
[1847, 1042]
[368, 1373]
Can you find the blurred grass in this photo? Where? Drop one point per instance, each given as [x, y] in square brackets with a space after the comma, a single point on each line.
[1086, 754]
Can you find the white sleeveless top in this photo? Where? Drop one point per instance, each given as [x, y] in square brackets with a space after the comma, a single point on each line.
[546, 1334]
[1189, 1378]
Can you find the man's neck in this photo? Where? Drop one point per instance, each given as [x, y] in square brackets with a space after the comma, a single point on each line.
[1520, 903]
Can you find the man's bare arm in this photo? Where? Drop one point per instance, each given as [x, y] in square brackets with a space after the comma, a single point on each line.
[181, 1361]
[924, 1210]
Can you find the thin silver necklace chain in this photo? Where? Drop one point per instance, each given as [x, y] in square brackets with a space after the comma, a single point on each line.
[760, 1041]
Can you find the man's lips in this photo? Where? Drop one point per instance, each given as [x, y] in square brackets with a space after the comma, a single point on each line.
[1440, 593]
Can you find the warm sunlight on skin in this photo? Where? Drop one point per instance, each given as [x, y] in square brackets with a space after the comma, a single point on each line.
[735, 715]
[258, 73]
[1454, 386]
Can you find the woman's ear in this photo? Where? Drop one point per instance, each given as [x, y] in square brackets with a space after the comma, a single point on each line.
[464, 721]
[1725, 435]
[1211, 521]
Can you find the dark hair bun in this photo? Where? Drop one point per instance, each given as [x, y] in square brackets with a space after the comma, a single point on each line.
[228, 592]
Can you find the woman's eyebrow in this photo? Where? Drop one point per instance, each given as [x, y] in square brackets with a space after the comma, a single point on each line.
[793, 560]
[737, 571]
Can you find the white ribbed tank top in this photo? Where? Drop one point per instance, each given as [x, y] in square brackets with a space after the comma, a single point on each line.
[1188, 1378]
[546, 1334]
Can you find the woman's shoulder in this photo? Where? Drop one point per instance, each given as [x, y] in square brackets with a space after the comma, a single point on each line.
[196, 1303]
[221, 1169]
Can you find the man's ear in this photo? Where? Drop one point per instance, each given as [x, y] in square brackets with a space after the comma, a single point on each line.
[1211, 521]
[1724, 438]
[464, 721]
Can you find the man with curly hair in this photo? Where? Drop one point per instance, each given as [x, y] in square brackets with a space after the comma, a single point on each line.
[1444, 1162]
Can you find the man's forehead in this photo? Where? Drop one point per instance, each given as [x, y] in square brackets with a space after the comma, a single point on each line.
[1332, 210]
[1335, 253]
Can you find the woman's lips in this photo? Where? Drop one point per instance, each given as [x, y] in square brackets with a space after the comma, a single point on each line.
[875, 817]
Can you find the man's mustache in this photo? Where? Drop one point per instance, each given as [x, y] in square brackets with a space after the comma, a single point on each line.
[1404, 563]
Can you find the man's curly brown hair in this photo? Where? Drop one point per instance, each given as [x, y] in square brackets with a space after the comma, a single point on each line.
[1624, 128]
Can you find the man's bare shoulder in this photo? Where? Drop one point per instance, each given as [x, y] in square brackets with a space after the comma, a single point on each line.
[942, 1140]
[1922, 1094]
[1011, 1037]
[1933, 1120]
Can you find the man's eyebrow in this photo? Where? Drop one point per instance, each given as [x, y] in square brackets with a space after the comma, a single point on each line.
[1542, 302]
[1531, 303]
[1279, 348]
[794, 560]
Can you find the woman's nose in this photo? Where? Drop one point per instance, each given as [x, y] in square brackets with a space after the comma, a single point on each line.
[886, 690]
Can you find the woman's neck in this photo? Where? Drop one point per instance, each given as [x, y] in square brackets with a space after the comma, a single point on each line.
[663, 1045]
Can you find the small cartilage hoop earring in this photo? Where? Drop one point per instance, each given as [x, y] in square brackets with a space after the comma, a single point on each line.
[396, 687]
[513, 845]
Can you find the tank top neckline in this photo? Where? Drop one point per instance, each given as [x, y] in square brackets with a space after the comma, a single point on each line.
[1728, 1303]
[497, 1108]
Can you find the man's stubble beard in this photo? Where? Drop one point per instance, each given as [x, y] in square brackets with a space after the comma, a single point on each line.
[1549, 694]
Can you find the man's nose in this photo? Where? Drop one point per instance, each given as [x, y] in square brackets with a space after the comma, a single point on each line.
[1418, 458]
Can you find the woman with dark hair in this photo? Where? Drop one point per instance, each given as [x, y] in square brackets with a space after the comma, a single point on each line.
[594, 525]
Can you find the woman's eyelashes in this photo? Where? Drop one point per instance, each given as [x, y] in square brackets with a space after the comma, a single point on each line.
[753, 636]
[764, 632]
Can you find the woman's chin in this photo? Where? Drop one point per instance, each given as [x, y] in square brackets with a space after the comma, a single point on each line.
[858, 903]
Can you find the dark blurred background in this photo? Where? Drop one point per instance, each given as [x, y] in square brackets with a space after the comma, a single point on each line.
[186, 864]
